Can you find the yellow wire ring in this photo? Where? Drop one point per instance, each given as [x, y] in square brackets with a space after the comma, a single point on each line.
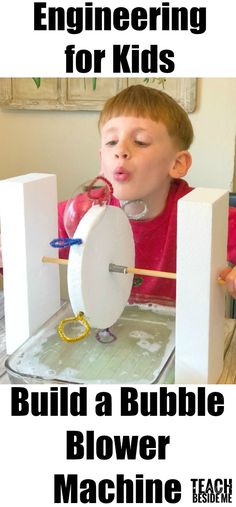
[80, 317]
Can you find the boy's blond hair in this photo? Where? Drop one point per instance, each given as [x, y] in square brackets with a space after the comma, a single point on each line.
[146, 102]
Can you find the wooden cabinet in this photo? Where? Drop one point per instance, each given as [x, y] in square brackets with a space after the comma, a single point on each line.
[87, 94]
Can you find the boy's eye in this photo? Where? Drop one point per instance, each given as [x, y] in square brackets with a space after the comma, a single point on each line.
[141, 143]
[111, 143]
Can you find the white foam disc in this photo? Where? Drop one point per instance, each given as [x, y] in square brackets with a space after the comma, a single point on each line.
[107, 238]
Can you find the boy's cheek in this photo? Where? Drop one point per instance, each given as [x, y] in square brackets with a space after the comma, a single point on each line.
[102, 163]
[105, 166]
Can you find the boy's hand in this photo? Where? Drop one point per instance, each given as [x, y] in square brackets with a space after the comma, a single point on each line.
[229, 275]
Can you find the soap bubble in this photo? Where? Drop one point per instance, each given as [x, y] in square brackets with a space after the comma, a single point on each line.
[76, 207]
[96, 191]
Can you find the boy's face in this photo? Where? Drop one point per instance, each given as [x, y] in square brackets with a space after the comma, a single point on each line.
[137, 155]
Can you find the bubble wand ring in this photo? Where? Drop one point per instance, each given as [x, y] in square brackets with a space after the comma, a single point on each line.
[65, 242]
[80, 317]
[100, 195]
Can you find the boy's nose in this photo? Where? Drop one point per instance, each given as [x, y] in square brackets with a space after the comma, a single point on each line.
[121, 151]
[121, 154]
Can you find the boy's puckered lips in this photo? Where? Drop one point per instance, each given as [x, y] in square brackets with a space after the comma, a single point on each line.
[121, 174]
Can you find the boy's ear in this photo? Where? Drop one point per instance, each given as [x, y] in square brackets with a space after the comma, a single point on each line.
[181, 165]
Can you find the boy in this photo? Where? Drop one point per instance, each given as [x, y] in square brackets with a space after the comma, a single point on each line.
[145, 137]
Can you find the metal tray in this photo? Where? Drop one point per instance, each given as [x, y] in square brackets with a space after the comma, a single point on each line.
[143, 352]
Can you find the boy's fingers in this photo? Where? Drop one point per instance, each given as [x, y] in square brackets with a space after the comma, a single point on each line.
[0, 252]
[223, 274]
[229, 275]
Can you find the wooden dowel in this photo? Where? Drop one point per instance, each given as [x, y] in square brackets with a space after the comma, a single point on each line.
[125, 269]
[54, 260]
[160, 274]
[151, 272]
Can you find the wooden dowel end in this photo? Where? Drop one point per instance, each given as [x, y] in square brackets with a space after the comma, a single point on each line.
[54, 260]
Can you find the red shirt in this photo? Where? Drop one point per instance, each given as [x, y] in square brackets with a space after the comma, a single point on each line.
[155, 244]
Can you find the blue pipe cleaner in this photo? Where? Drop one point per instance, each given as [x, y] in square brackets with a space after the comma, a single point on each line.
[65, 242]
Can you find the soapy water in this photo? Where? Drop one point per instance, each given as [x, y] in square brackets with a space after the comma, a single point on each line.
[145, 341]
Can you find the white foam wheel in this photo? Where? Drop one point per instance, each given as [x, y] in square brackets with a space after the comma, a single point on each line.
[107, 238]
